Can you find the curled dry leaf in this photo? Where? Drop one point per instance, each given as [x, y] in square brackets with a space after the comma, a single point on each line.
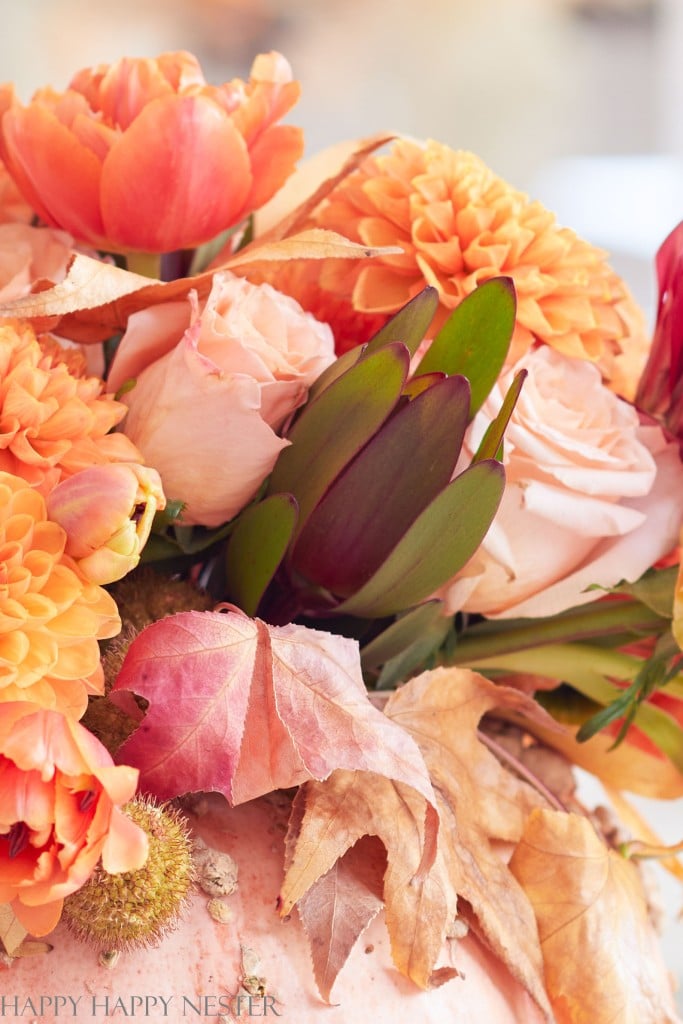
[290, 208]
[479, 802]
[602, 961]
[243, 709]
[100, 295]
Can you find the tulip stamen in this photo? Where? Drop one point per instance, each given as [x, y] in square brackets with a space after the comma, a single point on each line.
[86, 799]
[17, 838]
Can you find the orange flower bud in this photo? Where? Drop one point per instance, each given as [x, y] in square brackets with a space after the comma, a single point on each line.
[60, 794]
[107, 513]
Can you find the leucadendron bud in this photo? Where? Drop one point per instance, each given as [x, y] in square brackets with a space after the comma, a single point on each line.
[107, 513]
[365, 513]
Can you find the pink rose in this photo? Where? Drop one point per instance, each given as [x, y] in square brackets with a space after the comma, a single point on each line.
[592, 495]
[213, 387]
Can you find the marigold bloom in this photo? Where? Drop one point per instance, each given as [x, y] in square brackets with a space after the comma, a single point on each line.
[13, 207]
[51, 617]
[53, 422]
[59, 812]
[460, 224]
[144, 155]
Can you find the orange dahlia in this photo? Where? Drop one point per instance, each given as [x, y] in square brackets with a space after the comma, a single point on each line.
[51, 617]
[459, 224]
[53, 420]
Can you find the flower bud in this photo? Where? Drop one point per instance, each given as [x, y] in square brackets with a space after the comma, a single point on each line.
[107, 513]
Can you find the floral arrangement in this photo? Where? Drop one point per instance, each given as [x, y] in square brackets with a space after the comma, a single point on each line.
[361, 482]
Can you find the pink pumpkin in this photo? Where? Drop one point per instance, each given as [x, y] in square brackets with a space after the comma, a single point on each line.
[204, 967]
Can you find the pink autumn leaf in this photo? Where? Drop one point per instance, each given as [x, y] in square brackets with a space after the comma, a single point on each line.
[244, 708]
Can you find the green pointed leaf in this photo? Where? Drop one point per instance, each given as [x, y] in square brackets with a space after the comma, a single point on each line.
[256, 548]
[436, 546]
[416, 385]
[401, 634]
[332, 429]
[654, 589]
[491, 446]
[338, 367]
[409, 325]
[378, 497]
[476, 338]
[416, 658]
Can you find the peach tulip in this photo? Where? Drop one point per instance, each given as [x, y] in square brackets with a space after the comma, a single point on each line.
[13, 207]
[143, 155]
[213, 387]
[107, 513]
[60, 794]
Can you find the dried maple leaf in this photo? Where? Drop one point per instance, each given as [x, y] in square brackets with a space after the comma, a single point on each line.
[479, 802]
[243, 708]
[341, 904]
[602, 961]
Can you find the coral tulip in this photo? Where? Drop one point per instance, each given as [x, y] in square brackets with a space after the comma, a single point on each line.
[107, 513]
[59, 812]
[143, 155]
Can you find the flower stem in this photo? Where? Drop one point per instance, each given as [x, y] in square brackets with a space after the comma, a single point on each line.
[600, 619]
[147, 264]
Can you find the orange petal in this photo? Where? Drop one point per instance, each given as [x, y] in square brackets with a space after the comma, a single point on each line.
[186, 188]
[60, 176]
[126, 846]
[38, 920]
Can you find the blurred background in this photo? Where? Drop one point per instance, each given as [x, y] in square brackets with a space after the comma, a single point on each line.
[576, 102]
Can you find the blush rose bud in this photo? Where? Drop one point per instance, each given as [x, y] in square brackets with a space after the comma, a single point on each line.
[107, 513]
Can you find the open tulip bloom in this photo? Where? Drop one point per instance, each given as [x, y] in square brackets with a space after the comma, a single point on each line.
[297, 483]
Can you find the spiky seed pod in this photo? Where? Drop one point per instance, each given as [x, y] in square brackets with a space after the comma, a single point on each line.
[137, 908]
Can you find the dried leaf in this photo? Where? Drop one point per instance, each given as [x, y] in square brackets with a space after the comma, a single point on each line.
[287, 212]
[341, 904]
[625, 767]
[100, 294]
[243, 708]
[479, 802]
[12, 934]
[602, 961]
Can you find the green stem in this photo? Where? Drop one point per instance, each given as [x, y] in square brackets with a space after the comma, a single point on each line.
[147, 264]
[601, 619]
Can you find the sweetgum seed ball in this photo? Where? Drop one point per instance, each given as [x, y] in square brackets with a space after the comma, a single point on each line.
[136, 908]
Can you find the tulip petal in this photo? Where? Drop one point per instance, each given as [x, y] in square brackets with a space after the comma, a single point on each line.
[63, 188]
[175, 199]
[38, 920]
[126, 846]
